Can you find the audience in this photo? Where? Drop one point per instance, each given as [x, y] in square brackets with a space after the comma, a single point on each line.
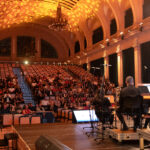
[52, 87]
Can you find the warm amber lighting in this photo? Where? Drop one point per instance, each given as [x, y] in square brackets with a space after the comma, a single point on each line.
[14, 12]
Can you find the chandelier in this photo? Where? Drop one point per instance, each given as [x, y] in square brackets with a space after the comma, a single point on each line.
[59, 23]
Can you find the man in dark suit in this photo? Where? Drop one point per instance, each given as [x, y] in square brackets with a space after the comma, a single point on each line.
[129, 91]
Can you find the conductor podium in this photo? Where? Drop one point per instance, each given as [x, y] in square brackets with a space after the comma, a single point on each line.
[120, 136]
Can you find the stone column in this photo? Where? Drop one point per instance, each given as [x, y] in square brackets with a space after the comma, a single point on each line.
[137, 64]
[120, 68]
[13, 48]
[88, 64]
[38, 48]
[106, 68]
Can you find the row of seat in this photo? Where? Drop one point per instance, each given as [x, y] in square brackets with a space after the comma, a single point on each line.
[65, 114]
[44, 70]
[80, 72]
[6, 70]
[36, 118]
[9, 119]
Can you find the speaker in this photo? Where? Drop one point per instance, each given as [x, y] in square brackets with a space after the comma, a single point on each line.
[49, 143]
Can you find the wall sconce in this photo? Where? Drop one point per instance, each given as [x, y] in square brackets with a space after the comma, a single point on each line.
[122, 35]
[102, 46]
[84, 54]
[107, 42]
[78, 57]
[115, 40]
[141, 26]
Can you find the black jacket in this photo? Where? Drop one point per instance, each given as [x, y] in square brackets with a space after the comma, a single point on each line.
[126, 92]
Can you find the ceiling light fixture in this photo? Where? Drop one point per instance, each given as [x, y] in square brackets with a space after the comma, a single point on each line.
[59, 23]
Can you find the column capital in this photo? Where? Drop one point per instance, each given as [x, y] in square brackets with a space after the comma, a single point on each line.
[118, 49]
[136, 43]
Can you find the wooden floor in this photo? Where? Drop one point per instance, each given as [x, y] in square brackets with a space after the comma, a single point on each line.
[71, 135]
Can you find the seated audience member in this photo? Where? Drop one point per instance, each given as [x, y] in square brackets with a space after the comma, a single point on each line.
[147, 121]
[26, 110]
[39, 108]
[6, 108]
[129, 91]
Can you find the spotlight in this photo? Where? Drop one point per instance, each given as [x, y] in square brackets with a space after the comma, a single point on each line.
[141, 26]
[102, 46]
[115, 40]
[122, 35]
[84, 53]
[26, 62]
[107, 42]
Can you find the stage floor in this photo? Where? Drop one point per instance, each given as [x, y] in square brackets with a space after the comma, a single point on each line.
[71, 135]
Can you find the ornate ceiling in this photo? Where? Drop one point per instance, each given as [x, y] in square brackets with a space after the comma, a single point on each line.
[14, 12]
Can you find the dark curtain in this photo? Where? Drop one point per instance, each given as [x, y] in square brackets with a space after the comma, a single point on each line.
[146, 9]
[128, 63]
[99, 64]
[113, 70]
[145, 62]
[25, 46]
[97, 35]
[113, 26]
[47, 50]
[5, 47]
[128, 18]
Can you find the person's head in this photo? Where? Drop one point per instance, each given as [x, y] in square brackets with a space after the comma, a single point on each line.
[129, 80]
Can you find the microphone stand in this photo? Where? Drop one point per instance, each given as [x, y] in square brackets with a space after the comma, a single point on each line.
[91, 121]
[102, 111]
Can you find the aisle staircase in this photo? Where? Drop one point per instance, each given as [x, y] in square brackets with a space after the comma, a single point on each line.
[75, 76]
[27, 94]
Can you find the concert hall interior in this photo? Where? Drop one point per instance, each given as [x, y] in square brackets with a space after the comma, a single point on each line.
[74, 74]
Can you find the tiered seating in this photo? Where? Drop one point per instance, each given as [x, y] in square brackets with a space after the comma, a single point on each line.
[6, 70]
[80, 72]
[45, 70]
[56, 90]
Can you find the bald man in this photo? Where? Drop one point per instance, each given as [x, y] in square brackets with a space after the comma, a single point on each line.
[129, 91]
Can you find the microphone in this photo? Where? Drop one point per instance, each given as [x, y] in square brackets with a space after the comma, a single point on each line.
[96, 68]
[109, 65]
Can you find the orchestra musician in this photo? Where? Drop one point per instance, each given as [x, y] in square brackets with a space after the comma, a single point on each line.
[129, 91]
[102, 108]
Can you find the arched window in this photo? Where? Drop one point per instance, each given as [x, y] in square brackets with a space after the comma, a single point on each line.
[97, 35]
[5, 47]
[25, 46]
[128, 18]
[47, 50]
[77, 47]
[69, 53]
[85, 43]
[113, 26]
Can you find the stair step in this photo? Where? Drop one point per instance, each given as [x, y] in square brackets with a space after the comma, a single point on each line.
[27, 94]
